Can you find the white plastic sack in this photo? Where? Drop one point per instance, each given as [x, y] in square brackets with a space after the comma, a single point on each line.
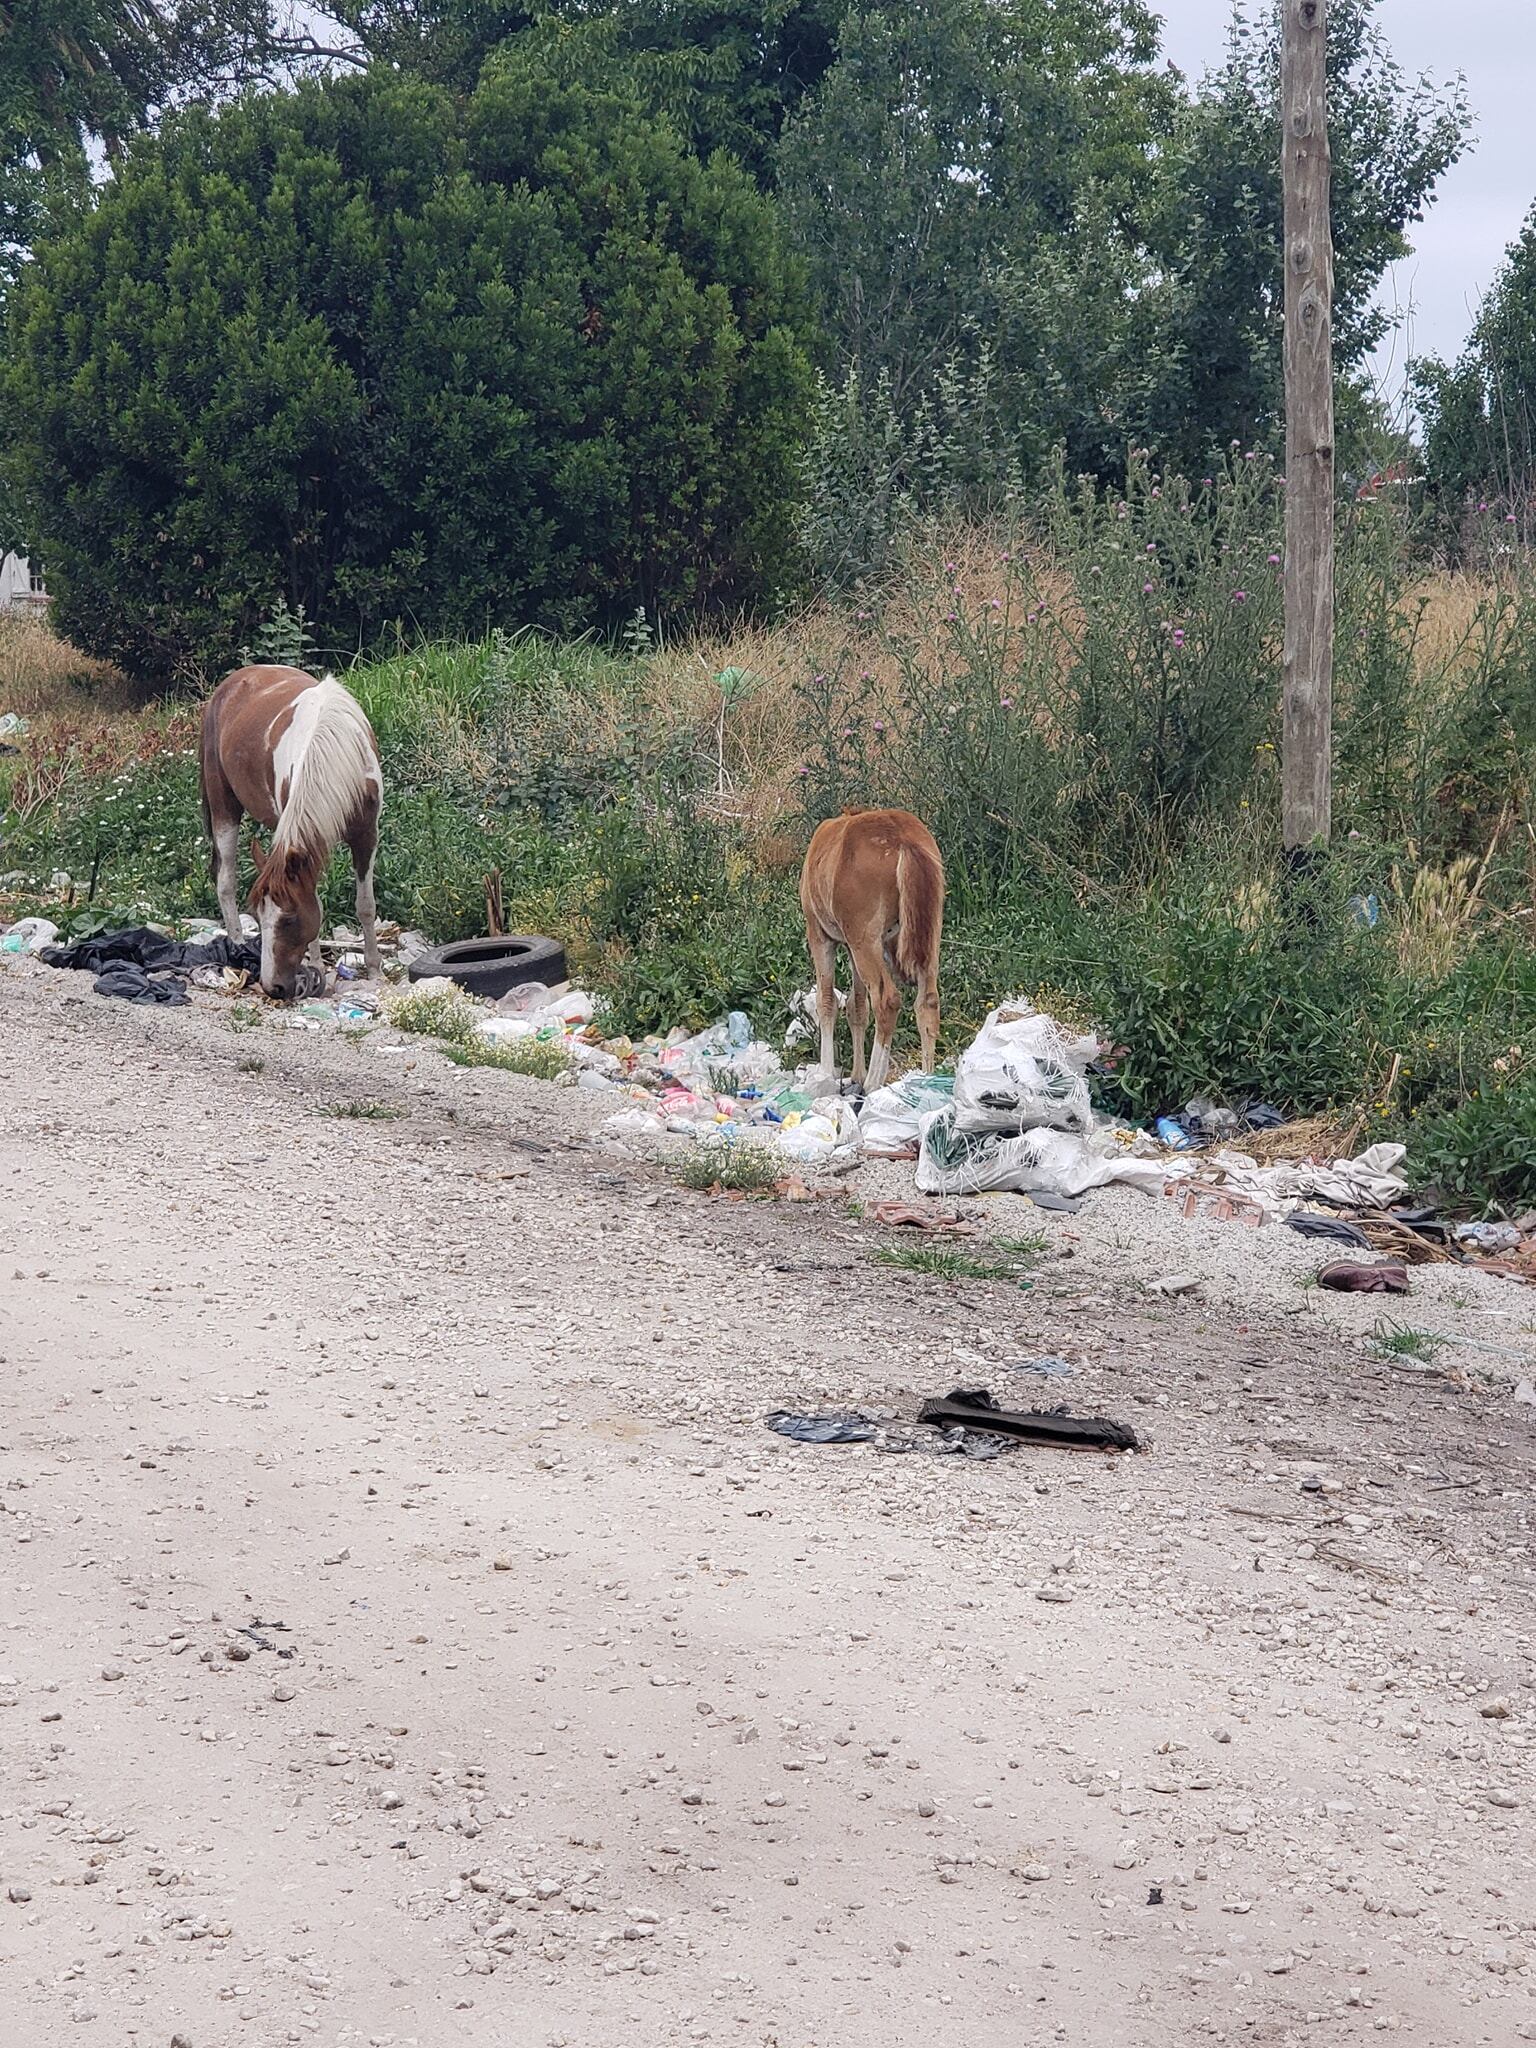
[809, 1142]
[500, 1030]
[830, 1131]
[570, 1011]
[1023, 1072]
[952, 1161]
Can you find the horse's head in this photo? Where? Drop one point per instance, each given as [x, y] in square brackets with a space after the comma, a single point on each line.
[286, 901]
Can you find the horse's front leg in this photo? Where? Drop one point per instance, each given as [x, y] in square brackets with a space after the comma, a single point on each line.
[363, 843]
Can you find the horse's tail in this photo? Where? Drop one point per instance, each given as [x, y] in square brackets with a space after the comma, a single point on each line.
[920, 910]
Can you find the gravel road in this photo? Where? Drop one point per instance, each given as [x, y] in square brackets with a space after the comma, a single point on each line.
[412, 1635]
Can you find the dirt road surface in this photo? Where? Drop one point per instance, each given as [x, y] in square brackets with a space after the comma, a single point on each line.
[411, 1634]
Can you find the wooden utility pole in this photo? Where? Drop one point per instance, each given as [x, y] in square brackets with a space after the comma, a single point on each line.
[1306, 764]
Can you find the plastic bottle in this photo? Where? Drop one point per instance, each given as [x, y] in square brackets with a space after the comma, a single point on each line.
[738, 1030]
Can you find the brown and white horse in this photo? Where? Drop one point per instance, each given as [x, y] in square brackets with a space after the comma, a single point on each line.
[873, 881]
[298, 755]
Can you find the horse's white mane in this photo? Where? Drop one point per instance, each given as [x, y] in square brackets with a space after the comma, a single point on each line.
[328, 759]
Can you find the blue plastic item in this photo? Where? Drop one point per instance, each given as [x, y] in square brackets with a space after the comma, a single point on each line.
[1366, 911]
[1173, 1135]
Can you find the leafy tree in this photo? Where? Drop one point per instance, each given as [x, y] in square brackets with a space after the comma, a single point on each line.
[385, 356]
[1480, 415]
[726, 73]
[81, 76]
[1208, 327]
[953, 142]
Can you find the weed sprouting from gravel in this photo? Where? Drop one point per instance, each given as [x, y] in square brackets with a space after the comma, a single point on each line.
[542, 1058]
[942, 1262]
[1400, 1340]
[362, 1112]
[739, 1169]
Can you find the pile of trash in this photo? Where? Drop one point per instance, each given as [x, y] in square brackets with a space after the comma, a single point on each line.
[1016, 1114]
[720, 1086]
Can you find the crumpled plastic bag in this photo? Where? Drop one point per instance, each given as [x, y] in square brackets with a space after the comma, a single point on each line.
[831, 1129]
[29, 935]
[805, 1014]
[636, 1123]
[1023, 1072]
[889, 1120]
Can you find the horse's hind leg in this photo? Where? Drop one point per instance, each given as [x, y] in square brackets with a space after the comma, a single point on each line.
[869, 967]
[858, 1012]
[927, 1006]
[823, 953]
[363, 843]
[224, 838]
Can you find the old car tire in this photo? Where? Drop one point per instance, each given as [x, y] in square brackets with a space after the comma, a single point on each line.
[489, 967]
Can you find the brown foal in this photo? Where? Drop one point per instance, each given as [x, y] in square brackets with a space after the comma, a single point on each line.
[873, 881]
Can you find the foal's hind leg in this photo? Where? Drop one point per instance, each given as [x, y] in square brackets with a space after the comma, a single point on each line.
[858, 1012]
[927, 1006]
[869, 968]
[363, 844]
[226, 872]
[823, 953]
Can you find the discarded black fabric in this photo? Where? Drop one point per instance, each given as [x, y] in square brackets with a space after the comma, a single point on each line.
[138, 946]
[961, 1443]
[133, 985]
[858, 1429]
[1310, 1224]
[1260, 1116]
[1415, 1215]
[974, 1408]
[823, 1429]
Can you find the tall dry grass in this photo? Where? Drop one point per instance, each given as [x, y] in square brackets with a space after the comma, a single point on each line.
[40, 674]
[749, 730]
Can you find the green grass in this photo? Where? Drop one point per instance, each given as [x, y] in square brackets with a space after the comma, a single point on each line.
[744, 1169]
[362, 1112]
[942, 1262]
[253, 1066]
[1024, 1249]
[245, 1017]
[544, 1059]
[1399, 1340]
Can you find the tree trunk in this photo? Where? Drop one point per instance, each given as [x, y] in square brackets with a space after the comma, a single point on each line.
[1306, 752]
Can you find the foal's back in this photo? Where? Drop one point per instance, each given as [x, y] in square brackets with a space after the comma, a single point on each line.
[852, 868]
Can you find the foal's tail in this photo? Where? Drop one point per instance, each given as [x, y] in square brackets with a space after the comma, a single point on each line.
[920, 911]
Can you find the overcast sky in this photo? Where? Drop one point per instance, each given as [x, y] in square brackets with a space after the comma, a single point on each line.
[1483, 199]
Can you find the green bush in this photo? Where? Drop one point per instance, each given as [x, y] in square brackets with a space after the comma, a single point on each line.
[371, 354]
[1483, 1149]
